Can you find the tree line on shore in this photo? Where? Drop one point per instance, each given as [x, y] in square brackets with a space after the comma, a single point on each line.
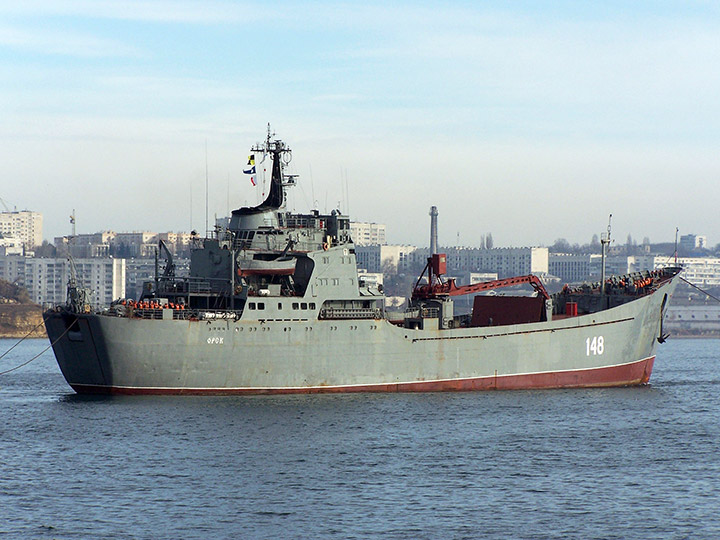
[631, 247]
[14, 293]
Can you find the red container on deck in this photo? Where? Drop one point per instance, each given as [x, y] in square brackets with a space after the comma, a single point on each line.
[571, 309]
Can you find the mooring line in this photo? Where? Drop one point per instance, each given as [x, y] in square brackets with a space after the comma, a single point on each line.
[23, 339]
[37, 355]
[699, 289]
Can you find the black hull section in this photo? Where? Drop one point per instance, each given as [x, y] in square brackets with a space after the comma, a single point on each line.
[78, 347]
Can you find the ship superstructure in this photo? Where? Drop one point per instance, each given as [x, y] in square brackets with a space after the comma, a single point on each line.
[268, 259]
[274, 304]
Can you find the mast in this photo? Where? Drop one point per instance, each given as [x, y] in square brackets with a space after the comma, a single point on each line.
[604, 241]
[281, 155]
[206, 189]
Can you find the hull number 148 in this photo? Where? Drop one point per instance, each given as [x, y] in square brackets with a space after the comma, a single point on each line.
[594, 346]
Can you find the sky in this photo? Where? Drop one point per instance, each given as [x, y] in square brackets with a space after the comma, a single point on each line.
[532, 121]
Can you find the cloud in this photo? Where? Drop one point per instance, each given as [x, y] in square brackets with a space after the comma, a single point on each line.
[338, 98]
[172, 88]
[64, 43]
[520, 96]
[161, 11]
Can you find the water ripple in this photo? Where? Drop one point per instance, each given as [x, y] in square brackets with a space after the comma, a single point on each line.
[602, 463]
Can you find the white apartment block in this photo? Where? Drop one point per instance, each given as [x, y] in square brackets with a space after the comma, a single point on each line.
[505, 262]
[10, 246]
[367, 234]
[46, 279]
[12, 267]
[393, 258]
[690, 242]
[571, 267]
[700, 271]
[24, 225]
[575, 268]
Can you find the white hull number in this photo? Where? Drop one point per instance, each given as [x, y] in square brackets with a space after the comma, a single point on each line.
[594, 346]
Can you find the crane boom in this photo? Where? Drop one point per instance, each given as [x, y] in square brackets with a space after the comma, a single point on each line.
[436, 287]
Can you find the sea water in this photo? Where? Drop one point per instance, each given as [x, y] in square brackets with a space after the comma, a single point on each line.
[599, 463]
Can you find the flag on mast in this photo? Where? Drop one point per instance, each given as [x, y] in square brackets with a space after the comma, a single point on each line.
[251, 168]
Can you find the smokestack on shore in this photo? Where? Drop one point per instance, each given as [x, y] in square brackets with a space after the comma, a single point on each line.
[433, 230]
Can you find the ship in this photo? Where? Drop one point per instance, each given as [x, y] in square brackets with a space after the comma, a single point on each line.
[274, 304]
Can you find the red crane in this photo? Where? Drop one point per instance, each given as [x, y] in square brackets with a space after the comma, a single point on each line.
[435, 287]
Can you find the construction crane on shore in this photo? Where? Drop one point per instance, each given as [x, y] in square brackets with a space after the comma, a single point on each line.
[4, 203]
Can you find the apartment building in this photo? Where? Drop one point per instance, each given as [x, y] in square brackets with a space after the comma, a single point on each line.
[46, 279]
[376, 258]
[24, 225]
[366, 234]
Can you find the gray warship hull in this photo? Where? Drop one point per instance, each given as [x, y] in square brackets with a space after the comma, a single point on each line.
[274, 303]
[105, 354]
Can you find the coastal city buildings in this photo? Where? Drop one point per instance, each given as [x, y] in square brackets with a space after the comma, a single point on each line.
[46, 279]
[505, 262]
[384, 258]
[24, 225]
[367, 234]
[113, 265]
[123, 244]
[109, 278]
[571, 267]
[10, 245]
[692, 242]
[117, 264]
[700, 271]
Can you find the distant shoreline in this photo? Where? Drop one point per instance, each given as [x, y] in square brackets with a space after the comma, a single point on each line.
[19, 320]
[711, 335]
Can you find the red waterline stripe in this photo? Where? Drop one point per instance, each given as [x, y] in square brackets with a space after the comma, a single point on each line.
[633, 374]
